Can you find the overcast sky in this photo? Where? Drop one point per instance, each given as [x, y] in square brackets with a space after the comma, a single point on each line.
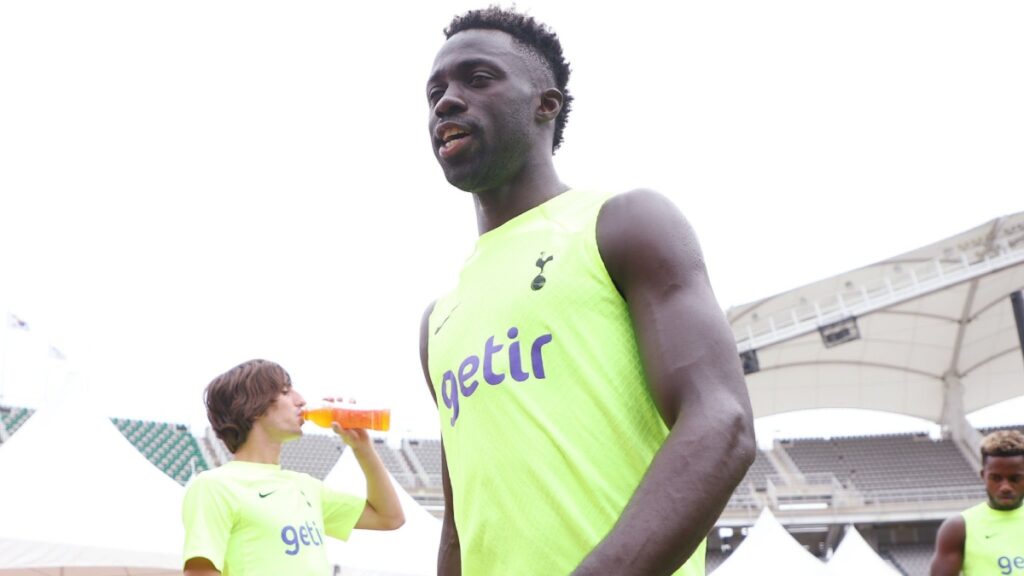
[187, 185]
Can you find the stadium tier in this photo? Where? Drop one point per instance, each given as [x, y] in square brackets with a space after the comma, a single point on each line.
[314, 454]
[170, 447]
[887, 466]
[910, 559]
[897, 488]
[11, 418]
[426, 452]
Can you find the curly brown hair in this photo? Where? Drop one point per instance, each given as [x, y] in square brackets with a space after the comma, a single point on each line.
[239, 396]
[1002, 443]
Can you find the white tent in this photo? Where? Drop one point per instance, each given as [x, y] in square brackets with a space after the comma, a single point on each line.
[769, 550]
[855, 557]
[409, 551]
[77, 499]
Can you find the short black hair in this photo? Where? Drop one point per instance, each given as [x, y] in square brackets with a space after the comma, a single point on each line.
[534, 35]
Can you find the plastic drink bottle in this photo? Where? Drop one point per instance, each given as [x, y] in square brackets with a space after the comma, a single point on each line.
[349, 416]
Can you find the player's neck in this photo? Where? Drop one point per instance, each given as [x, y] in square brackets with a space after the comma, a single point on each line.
[533, 186]
[259, 449]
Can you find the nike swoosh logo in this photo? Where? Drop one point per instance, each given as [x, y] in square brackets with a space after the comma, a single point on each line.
[443, 322]
[262, 495]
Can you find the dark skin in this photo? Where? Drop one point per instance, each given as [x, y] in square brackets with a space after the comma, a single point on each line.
[486, 85]
[1004, 484]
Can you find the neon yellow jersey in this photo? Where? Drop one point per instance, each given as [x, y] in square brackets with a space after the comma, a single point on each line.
[994, 543]
[547, 419]
[254, 519]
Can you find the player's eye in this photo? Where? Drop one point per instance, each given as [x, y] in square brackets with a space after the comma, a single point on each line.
[434, 94]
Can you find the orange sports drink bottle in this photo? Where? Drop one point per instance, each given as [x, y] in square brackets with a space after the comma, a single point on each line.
[349, 416]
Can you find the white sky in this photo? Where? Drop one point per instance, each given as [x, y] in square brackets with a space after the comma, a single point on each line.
[186, 185]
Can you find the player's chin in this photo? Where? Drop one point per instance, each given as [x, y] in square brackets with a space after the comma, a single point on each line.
[1008, 503]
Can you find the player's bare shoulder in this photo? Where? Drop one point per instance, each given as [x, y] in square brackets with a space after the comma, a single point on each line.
[642, 230]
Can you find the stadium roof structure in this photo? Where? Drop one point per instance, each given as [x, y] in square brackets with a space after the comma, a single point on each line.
[930, 333]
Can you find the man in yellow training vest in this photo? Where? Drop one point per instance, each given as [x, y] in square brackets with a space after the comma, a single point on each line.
[594, 417]
[988, 539]
[251, 518]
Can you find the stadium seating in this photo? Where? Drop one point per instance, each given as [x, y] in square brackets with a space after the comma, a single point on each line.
[314, 454]
[911, 559]
[427, 452]
[755, 481]
[898, 463]
[13, 417]
[170, 447]
[882, 469]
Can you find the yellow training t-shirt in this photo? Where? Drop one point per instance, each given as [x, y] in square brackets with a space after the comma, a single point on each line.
[253, 519]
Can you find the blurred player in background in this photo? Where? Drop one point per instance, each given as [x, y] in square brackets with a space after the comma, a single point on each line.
[251, 518]
[988, 539]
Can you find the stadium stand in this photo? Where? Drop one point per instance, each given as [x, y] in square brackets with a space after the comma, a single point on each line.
[397, 463]
[910, 559]
[756, 480]
[216, 448]
[887, 466]
[11, 418]
[427, 453]
[989, 429]
[170, 447]
[759, 471]
[911, 469]
[314, 454]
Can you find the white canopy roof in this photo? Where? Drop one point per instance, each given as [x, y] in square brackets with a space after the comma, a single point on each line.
[855, 557]
[931, 322]
[409, 551]
[769, 549]
[77, 499]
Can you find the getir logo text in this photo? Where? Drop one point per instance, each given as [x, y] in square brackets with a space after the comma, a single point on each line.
[1011, 565]
[465, 381]
[305, 535]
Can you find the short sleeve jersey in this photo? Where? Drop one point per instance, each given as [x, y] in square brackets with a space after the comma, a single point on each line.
[253, 519]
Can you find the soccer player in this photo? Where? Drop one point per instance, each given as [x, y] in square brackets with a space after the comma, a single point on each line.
[988, 538]
[251, 518]
[593, 409]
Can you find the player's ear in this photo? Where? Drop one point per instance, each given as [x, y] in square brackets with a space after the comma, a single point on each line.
[551, 101]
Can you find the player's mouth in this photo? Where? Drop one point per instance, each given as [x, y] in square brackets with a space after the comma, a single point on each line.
[451, 139]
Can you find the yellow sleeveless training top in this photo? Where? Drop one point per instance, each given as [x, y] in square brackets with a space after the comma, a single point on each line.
[994, 543]
[546, 417]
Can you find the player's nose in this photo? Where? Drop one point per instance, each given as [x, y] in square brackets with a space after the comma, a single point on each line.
[451, 102]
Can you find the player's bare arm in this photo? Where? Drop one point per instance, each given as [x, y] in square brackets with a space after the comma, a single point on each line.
[695, 378]
[200, 567]
[949, 547]
[383, 510]
[448, 556]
